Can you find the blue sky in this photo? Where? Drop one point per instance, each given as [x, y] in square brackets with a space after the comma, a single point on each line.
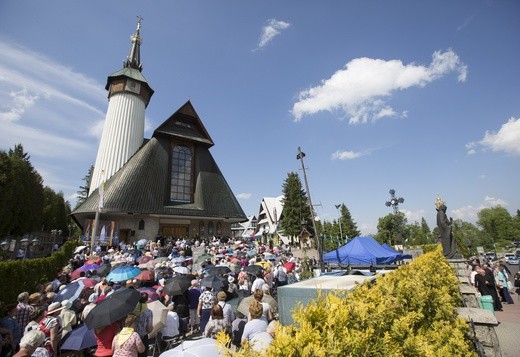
[422, 97]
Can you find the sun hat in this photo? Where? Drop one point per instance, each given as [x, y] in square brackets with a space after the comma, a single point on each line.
[230, 279]
[67, 304]
[54, 307]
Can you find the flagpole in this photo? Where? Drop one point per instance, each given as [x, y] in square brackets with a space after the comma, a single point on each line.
[94, 230]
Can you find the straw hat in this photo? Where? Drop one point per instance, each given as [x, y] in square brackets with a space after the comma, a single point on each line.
[54, 307]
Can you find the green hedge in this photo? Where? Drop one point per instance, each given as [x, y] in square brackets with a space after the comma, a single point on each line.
[17, 276]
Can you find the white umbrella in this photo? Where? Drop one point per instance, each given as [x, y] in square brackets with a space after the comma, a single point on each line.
[204, 347]
[159, 312]
[181, 270]
[79, 249]
[179, 260]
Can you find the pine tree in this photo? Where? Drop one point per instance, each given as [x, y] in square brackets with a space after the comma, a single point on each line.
[348, 226]
[296, 211]
[83, 190]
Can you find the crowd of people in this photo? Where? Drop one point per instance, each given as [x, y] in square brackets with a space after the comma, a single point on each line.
[494, 279]
[37, 323]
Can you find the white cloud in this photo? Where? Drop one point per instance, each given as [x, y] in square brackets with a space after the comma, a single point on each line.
[507, 139]
[244, 196]
[362, 86]
[469, 212]
[346, 155]
[21, 101]
[270, 31]
[367, 229]
[414, 216]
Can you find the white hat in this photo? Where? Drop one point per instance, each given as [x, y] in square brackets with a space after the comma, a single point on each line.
[54, 307]
[230, 279]
[67, 304]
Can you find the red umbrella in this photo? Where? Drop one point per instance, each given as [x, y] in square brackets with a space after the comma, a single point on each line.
[89, 282]
[289, 266]
[145, 259]
[152, 294]
[146, 275]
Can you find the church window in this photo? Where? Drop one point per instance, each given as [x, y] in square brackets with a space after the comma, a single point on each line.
[141, 225]
[219, 228]
[181, 186]
[201, 228]
[210, 228]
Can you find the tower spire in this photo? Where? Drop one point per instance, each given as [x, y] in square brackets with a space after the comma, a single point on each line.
[134, 58]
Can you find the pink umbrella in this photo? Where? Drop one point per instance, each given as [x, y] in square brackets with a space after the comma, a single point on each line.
[89, 282]
[75, 273]
[152, 294]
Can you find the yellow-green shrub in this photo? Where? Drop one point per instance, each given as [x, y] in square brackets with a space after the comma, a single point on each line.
[408, 312]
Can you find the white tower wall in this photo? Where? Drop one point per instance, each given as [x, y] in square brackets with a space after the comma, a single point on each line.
[123, 135]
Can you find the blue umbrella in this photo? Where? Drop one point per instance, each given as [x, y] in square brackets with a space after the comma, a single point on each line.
[79, 339]
[123, 273]
[71, 292]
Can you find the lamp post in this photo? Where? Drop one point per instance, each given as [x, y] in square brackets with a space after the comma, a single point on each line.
[300, 157]
[340, 229]
[394, 203]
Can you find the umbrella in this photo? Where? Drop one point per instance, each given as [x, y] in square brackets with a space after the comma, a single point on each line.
[113, 308]
[71, 292]
[104, 269]
[206, 347]
[144, 259]
[203, 258]
[264, 264]
[243, 306]
[152, 293]
[214, 282]
[289, 266]
[146, 275]
[219, 270]
[179, 260]
[181, 270]
[123, 273]
[253, 269]
[160, 260]
[251, 252]
[75, 274]
[79, 249]
[269, 256]
[141, 242]
[159, 312]
[177, 285]
[89, 282]
[79, 339]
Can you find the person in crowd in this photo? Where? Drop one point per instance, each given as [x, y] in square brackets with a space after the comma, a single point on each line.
[237, 328]
[267, 314]
[51, 326]
[206, 302]
[68, 317]
[280, 276]
[36, 316]
[127, 342]
[144, 323]
[258, 282]
[226, 308]
[171, 329]
[502, 285]
[23, 310]
[30, 345]
[232, 287]
[256, 324]
[486, 286]
[261, 341]
[217, 323]
[35, 299]
[193, 301]
[8, 321]
[104, 339]
[91, 304]
[273, 304]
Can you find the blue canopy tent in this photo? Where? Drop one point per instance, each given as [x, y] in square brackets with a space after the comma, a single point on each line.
[360, 251]
[390, 249]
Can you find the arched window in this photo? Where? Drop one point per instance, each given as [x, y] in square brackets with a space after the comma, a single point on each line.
[210, 228]
[141, 225]
[181, 187]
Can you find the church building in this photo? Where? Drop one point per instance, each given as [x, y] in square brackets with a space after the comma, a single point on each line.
[168, 185]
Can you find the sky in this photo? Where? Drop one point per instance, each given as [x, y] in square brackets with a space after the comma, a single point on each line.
[418, 96]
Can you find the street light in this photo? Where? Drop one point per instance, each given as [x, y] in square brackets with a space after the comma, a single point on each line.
[394, 203]
[340, 229]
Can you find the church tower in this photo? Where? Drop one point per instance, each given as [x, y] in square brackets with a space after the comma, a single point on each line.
[123, 131]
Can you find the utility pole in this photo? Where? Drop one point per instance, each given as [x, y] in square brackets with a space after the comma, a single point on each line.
[300, 157]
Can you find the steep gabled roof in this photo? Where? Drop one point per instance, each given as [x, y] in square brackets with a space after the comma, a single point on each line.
[185, 124]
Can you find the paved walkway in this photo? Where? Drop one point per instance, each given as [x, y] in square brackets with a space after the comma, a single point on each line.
[509, 329]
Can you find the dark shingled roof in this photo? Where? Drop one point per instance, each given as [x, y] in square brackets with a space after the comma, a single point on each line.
[142, 185]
